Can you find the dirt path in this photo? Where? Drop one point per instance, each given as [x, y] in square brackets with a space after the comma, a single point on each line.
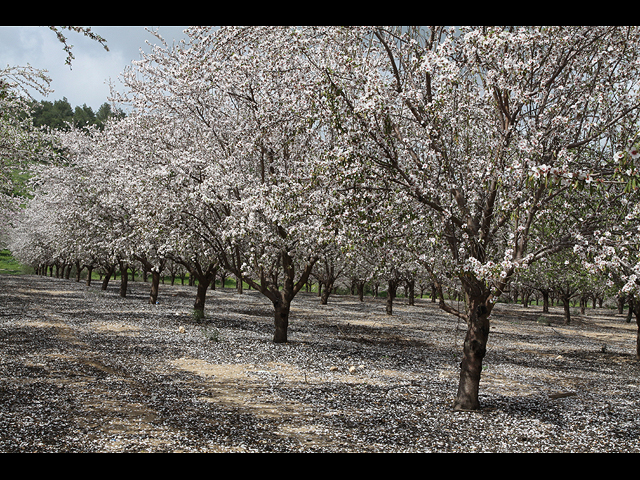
[86, 371]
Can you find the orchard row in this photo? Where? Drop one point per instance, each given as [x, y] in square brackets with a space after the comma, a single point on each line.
[476, 158]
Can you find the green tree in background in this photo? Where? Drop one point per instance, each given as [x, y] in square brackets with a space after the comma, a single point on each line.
[104, 113]
[52, 114]
[59, 114]
[83, 116]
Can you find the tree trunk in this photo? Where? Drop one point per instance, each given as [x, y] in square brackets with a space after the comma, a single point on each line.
[391, 295]
[324, 298]
[474, 351]
[621, 301]
[567, 310]
[89, 273]
[411, 290]
[79, 269]
[156, 278]
[212, 286]
[107, 277]
[280, 297]
[155, 286]
[201, 296]
[632, 306]
[545, 302]
[124, 279]
[281, 319]
[238, 268]
[283, 298]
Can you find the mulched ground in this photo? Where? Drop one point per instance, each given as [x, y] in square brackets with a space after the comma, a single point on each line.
[84, 370]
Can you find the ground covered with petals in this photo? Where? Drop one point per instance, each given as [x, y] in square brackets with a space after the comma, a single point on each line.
[83, 370]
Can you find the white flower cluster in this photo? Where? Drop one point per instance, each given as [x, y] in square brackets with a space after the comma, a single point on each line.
[560, 175]
[633, 152]
[494, 272]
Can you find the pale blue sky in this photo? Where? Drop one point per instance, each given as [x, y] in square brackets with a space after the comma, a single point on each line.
[87, 79]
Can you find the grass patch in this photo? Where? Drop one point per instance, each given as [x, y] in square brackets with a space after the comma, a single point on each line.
[9, 265]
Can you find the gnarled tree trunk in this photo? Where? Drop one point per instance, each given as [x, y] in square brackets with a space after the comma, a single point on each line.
[474, 351]
[566, 303]
[155, 287]
[478, 309]
[155, 270]
[411, 289]
[204, 280]
[201, 298]
[282, 307]
[79, 269]
[328, 287]
[280, 294]
[360, 289]
[391, 295]
[107, 276]
[282, 299]
[124, 280]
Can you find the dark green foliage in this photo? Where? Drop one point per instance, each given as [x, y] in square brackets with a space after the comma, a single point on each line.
[59, 114]
[52, 114]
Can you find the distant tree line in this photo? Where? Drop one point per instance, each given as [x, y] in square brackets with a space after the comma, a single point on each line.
[59, 114]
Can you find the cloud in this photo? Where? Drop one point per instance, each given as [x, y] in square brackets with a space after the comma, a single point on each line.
[87, 79]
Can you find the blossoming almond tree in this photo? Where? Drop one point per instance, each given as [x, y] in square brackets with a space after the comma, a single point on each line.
[81, 196]
[243, 159]
[161, 173]
[613, 251]
[21, 143]
[460, 118]
[276, 231]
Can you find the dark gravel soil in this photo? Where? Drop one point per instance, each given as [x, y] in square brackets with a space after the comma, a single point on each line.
[84, 370]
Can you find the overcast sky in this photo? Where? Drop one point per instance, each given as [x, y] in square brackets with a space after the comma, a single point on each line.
[86, 81]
